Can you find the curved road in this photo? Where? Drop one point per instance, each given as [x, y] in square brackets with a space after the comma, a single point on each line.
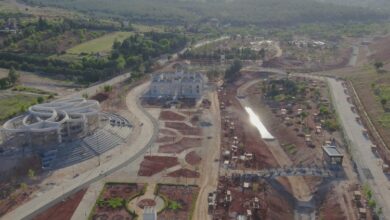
[148, 133]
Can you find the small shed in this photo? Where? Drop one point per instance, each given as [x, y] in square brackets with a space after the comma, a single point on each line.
[332, 156]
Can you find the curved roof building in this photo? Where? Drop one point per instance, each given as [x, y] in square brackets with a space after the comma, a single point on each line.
[52, 123]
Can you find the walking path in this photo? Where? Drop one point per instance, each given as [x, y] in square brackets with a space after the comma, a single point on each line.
[209, 169]
[149, 194]
[88, 201]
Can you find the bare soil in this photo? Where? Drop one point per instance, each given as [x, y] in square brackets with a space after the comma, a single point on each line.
[181, 145]
[184, 195]
[165, 139]
[63, 210]
[116, 190]
[184, 128]
[184, 173]
[167, 132]
[171, 116]
[193, 158]
[155, 164]
[146, 202]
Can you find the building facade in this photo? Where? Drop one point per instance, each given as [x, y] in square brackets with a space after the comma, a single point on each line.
[49, 124]
[177, 85]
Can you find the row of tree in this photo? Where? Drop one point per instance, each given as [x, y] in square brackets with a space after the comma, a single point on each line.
[230, 54]
[136, 52]
[10, 80]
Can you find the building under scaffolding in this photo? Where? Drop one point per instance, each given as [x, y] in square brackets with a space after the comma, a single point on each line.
[177, 85]
[49, 124]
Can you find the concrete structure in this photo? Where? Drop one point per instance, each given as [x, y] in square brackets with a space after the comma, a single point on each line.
[178, 85]
[332, 156]
[50, 124]
[149, 213]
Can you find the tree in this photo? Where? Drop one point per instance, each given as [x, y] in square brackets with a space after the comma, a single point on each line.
[31, 173]
[233, 71]
[40, 99]
[12, 76]
[23, 186]
[107, 88]
[120, 63]
[383, 101]
[378, 65]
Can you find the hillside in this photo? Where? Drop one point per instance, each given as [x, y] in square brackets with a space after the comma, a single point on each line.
[238, 12]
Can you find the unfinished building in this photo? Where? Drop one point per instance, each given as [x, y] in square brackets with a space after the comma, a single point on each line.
[177, 85]
[49, 124]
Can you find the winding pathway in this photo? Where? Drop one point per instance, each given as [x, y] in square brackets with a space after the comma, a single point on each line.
[145, 140]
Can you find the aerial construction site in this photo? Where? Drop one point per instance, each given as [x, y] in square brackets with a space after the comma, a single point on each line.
[183, 143]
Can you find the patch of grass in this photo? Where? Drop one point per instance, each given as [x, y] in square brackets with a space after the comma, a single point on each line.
[174, 205]
[147, 28]
[290, 148]
[384, 120]
[15, 104]
[101, 44]
[384, 91]
[32, 90]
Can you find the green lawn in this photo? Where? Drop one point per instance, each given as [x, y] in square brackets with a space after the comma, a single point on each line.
[385, 92]
[12, 105]
[147, 28]
[384, 120]
[101, 44]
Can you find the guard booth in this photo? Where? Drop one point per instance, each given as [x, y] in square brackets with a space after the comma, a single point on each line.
[332, 157]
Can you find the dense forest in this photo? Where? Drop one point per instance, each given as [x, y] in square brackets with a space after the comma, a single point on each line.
[236, 12]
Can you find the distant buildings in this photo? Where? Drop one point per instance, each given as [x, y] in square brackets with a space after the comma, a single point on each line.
[178, 85]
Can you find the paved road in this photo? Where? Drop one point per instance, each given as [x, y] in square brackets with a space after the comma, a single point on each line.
[148, 133]
[278, 172]
[94, 89]
[367, 163]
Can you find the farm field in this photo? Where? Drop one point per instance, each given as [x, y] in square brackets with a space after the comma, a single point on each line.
[101, 44]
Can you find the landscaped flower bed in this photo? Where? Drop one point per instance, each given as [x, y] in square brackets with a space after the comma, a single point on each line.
[179, 201]
[112, 201]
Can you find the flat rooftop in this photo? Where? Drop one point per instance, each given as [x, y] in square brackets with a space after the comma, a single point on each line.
[332, 151]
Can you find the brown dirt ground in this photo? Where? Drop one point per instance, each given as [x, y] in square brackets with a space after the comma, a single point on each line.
[193, 158]
[163, 139]
[167, 132]
[184, 173]
[180, 146]
[184, 128]
[272, 204]
[63, 210]
[185, 195]
[113, 190]
[146, 202]
[248, 134]
[171, 116]
[380, 49]
[155, 164]
[330, 209]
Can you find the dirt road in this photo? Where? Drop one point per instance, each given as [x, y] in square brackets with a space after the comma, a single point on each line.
[209, 169]
[298, 185]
